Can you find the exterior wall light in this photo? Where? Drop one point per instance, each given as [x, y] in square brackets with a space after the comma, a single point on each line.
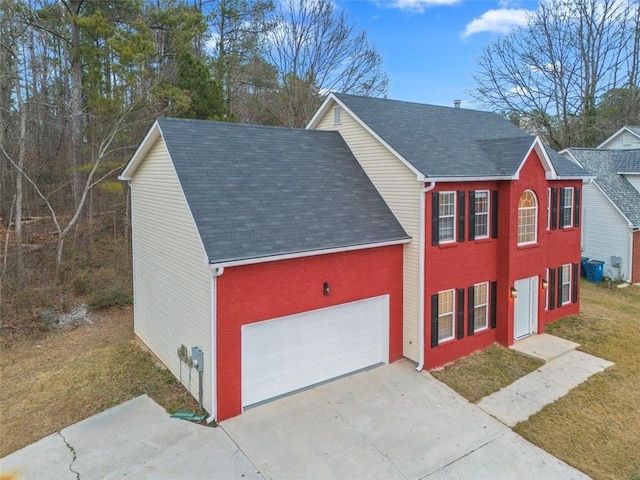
[514, 292]
[326, 290]
[545, 284]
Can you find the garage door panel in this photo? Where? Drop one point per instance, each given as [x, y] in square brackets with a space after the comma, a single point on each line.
[289, 353]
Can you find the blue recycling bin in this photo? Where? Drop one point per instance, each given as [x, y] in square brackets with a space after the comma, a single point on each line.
[595, 271]
[583, 266]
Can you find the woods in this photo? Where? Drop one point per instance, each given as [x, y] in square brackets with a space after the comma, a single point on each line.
[82, 80]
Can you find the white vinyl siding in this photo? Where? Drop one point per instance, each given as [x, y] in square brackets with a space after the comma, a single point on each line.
[634, 180]
[400, 189]
[618, 142]
[171, 281]
[605, 232]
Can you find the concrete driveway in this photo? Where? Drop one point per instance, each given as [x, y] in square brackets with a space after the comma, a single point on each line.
[388, 423]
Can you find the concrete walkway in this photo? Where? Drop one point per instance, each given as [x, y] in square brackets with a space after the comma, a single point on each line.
[565, 368]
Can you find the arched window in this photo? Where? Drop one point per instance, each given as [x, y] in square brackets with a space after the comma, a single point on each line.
[527, 218]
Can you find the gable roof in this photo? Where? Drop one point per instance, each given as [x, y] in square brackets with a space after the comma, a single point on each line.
[632, 129]
[602, 163]
[259, 192]
[444, 142]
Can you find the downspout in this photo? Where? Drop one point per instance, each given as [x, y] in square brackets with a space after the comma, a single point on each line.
[215, 273]
[421, 269]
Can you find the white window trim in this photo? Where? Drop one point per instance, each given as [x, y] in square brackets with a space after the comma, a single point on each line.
[548, 209]
[488, 213]
[564, 200]
[566, 280]
[452, 313]
[535, 223]
[485, 304]
[454, 216]
[546, 292]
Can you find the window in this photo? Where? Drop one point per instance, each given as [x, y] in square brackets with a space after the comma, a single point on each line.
[546, 292]
[565, 284]
[337, 115]
[481, 212]
[566, 207]
[447, 217]
[480, 305]
[527, 218]
[626, 139]
[446, 315]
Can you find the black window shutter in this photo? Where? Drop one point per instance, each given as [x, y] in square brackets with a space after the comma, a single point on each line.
[494, 214]
[560, 299]
[552, 288]
[574, 283]
[461, 219]
[562, 207]
[470, 310]
[554, 208]
[472, 215]
[494, 304]
[435, 217]
[434, 320]
[460, 313]
[576, 207]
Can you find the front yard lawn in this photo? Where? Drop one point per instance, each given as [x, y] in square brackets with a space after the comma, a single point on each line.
[596, 427]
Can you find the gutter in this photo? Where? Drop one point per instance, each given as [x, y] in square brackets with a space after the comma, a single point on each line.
[215, 273]
[421, 270]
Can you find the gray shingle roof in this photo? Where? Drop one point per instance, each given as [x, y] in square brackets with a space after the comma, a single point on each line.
[635, 129]
[627, 161]
[263, 191]
[602, 164]
[449, 142]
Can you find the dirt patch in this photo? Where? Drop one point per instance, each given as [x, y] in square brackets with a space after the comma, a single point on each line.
[73, 372]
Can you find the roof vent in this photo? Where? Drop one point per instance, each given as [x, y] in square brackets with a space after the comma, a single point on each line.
[456, 103]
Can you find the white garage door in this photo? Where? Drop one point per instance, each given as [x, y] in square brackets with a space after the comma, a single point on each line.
[285, 354]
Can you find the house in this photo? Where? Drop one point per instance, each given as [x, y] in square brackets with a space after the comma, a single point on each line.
[269, 250]
[493, 213]
[270, 259]
[611, 206]
[626, 138]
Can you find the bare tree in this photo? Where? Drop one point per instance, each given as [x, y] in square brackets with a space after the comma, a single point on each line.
[554, 70]
[316, 50]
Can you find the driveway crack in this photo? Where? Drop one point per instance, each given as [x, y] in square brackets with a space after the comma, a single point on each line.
[73, 452]
[341, 417]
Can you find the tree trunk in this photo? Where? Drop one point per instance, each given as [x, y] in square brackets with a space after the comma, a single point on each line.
[76, 102]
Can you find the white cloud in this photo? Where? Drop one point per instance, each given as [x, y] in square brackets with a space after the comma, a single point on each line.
[415, 5]
[502, 20]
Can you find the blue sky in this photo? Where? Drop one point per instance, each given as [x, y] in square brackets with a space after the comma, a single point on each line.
[430, 47]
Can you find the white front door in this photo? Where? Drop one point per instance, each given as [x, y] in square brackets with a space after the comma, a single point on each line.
[286, 354]
[526, 308]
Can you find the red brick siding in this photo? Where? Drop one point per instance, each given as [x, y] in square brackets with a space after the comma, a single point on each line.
[460, 265]
[253, 293]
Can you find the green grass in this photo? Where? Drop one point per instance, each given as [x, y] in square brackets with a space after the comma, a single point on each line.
[63, 377]
[485, 372]
[596, 426]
